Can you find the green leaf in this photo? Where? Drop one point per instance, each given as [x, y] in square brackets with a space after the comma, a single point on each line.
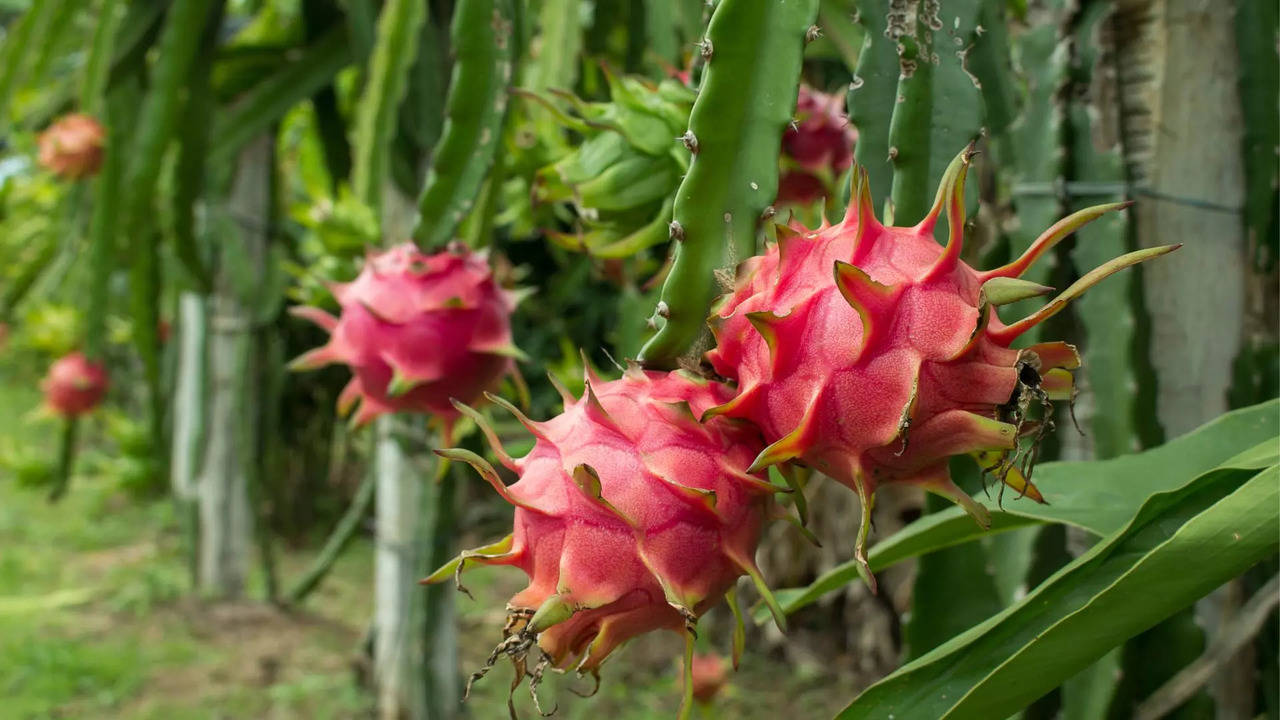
[1098, 496]
[937, 613]
[1220, 525]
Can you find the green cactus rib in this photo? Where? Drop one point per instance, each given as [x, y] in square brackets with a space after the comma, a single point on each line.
[1105, 312]
[157, 118]
[1256, 25]
[98, 66]
[913, 99]
[1034, 144]
[871, 97]
[103, 223]
[938, 106]
[746, 99]
[474, 113]
[394, 49]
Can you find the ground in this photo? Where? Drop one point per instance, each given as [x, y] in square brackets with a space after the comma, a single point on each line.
[97, 620]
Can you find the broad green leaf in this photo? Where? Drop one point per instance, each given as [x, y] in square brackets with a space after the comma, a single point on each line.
[1219, 525]
[938, 613]
[1098, 496]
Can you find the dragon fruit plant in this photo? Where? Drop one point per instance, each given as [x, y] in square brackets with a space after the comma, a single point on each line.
[873, 353]
[402, 302]
[816, 150]
[74, 385]
[631, 515]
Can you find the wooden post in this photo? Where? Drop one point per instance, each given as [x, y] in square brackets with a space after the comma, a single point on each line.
[226, 518]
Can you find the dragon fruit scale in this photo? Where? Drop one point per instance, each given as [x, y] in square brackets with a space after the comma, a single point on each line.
[873, 353]
[417, 330]
[630, 516]
[74, 385]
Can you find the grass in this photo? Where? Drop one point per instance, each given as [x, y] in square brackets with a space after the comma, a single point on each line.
[97, 619]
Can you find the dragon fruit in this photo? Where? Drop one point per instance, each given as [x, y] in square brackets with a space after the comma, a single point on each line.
[417, 330]
[74, 385]
[631, 516]
[72, 146]
[710, 675]
[872, 353]
[816, 149]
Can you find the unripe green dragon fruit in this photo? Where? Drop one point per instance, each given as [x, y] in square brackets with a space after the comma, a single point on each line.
[631, 516]
[873, 353]
[417, 330]
[621, 177]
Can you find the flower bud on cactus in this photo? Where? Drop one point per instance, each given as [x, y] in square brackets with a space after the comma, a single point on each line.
[416, 330]
[74, 386]
[873, 354]
[72, 146]
[816, 149]
[631, 516]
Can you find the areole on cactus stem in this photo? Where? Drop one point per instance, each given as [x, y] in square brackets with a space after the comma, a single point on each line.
[631, 515]
[417, 330]
[873, 353]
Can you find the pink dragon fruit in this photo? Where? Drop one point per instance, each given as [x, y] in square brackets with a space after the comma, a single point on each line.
[816, 149]
[74, 385]
[872, 353]
[631, 516]
[72, 146]
[417, 330]
[710, 674]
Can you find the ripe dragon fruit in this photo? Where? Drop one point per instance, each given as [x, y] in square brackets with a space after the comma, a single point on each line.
[710, 675]
[417, 330]
[872, 353]
[631, 516]
[72, 146]
[74, 385]
[816, 150]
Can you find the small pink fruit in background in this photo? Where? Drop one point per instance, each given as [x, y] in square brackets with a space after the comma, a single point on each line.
[816, 149]
[417, 330]
[74, 385]
[709, 674]
[72, 146]
[631, 516]
[873, 353]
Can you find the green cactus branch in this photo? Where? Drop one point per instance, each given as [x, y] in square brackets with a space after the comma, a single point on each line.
[177, 48]
[98, 67]
[914, 100]
[753, 52]
[394, 49]
[474, 113]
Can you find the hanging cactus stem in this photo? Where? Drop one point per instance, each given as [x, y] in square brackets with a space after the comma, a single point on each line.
[734, 135]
